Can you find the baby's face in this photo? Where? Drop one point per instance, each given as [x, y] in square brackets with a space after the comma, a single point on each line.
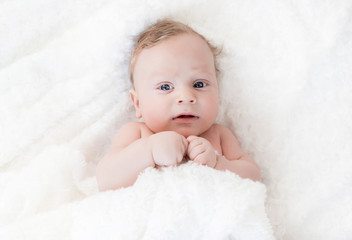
[176, 87]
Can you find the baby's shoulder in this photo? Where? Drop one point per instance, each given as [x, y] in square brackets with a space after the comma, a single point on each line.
[214, 132]
[134, 125]
[220, 131]
[218, 128]
[130, 126]
[138, 127]
[128, 133]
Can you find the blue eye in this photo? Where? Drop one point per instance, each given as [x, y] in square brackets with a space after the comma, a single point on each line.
[165, 87]
[199, 84]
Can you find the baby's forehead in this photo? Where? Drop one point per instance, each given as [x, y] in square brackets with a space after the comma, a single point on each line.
[169, 51]
[175, 38]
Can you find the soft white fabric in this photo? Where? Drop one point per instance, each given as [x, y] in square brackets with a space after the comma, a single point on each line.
[185, 202]
[285, 92]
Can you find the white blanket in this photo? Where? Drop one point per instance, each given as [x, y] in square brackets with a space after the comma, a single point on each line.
[185, 202]
[285, 92]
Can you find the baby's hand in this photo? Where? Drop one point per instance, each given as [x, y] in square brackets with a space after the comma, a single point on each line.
[201, 151]
[168, 148]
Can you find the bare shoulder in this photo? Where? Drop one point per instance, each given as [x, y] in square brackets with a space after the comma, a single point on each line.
[216, 131]
[226, 135]
[127, 134]
[229, 143]
[221, 129]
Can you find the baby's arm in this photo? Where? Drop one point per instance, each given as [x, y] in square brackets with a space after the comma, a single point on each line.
[127, 157]
[233, 158]
[130, 154]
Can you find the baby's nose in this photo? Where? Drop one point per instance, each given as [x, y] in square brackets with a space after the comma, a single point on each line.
[192, 100]
[187, 97]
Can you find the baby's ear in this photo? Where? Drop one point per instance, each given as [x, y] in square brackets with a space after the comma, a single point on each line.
[135, 100]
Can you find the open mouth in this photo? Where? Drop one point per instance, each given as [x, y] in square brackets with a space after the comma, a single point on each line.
[186, 116]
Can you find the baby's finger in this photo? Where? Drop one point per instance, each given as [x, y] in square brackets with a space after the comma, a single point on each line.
[195, 142]
[191, 138]
[195, 152]
[185, 143]
[201, 159]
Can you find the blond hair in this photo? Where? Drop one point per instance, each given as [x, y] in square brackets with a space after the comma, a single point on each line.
[162, 30]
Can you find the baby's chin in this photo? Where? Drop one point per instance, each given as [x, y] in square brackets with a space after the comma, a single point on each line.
[186, 132]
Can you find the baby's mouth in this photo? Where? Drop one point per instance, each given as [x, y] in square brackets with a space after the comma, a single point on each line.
[185, 117]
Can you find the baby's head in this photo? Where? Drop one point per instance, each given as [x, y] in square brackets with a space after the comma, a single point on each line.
[173, 71]
[160, 31]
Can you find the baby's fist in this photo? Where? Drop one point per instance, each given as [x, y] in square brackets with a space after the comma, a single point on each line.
[168, 148]
[201, 151]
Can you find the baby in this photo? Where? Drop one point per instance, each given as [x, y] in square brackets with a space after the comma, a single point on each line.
[176, 92]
